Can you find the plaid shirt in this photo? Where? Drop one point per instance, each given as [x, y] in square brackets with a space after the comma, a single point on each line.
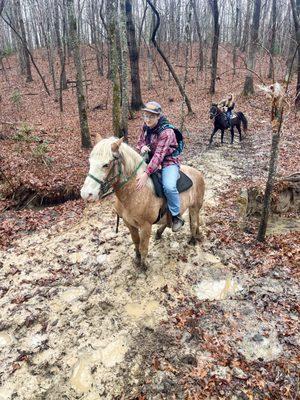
[162, 146]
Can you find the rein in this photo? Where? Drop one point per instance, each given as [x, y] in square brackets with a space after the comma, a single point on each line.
[219, 112]
[107, 184]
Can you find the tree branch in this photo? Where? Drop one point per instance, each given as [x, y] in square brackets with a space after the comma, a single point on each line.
[30, 55]
[171, 69]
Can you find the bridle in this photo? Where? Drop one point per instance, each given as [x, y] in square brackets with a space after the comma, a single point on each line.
[111, 177]
[218, 112]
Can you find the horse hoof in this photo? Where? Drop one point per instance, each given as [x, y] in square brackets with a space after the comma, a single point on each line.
[192, 241]
[158, 236]
[143, 266]
[137, 260]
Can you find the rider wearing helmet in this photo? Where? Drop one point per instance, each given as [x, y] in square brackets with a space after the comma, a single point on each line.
[160, 141]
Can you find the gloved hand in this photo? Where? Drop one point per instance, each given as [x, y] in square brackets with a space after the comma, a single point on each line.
[145, 149]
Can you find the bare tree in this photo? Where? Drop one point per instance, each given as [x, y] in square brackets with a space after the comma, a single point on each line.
[124, 69]
[246, 26]
[215, 46]
[136, 97]
[252, 49]
[235, 39]
[296, 17]
[114, 64]
[24, 47]
[273, 38]
[171, 69]
[74, 45]
[60, 48]
[2, 3]
[201, 60]
[277, 96]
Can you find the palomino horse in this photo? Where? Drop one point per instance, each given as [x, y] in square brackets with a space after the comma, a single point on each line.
[115, 165]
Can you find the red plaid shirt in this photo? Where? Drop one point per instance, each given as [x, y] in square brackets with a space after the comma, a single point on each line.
[162, 146]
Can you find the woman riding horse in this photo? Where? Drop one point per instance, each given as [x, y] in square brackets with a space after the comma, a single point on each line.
[227, 106]
[222, 118]
[117, 167]
[159, 140]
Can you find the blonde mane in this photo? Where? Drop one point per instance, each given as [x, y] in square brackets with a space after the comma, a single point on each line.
[102, 151]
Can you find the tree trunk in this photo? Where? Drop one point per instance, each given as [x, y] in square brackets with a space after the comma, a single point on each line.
[187, 44]
[2, 2]
[59, 45]
[136, 97]
[201, 61]
[24, 47]
[273, 38]
[252, 49]
[235, 39]
[124, 70]
[215, 46]
[246, 27]
[276, 119]
[296, 17]
[112, 36]
[74, 45]
[290, 66]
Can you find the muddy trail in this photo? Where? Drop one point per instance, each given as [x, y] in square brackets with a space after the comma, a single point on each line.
[78, 321]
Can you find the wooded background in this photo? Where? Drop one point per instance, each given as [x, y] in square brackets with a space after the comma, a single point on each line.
[184, 35]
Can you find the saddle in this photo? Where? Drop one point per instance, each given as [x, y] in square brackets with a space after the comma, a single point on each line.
[183, 184]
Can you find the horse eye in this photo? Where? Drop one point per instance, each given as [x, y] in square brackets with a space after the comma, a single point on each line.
[105, 165]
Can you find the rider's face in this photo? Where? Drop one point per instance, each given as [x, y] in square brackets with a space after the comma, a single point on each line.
[150, 119]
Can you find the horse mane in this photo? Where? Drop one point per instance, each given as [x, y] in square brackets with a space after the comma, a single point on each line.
[103, 151]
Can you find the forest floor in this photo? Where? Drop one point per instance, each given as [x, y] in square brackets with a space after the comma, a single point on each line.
[216, 321]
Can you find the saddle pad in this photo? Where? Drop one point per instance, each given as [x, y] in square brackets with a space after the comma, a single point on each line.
[183, 183]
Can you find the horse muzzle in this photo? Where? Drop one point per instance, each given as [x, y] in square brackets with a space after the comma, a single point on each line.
[88, 196]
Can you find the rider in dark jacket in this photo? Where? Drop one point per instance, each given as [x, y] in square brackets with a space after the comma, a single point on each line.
[227, 105]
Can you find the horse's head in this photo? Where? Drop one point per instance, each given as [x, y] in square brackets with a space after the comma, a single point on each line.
[213, 111]
[105, 169]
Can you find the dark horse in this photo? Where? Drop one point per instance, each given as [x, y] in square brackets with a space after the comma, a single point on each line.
[221, 122]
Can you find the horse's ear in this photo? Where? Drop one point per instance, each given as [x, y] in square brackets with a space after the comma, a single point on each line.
[116, 145]
[98, 137]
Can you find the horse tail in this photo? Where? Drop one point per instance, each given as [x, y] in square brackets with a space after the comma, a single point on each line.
[244, 120]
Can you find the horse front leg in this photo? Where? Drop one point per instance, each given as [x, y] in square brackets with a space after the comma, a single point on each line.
[145, 233]
[134, 232]
[232, 134]
[212, 135]
[222, 136]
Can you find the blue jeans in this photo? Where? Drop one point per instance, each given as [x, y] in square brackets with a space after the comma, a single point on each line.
[170, 175]
[228, 115]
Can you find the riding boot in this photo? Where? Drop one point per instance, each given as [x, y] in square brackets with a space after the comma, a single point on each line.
[228, 122]
[177, 223]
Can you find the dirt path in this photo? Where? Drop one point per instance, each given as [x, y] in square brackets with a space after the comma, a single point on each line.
[79, 322]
